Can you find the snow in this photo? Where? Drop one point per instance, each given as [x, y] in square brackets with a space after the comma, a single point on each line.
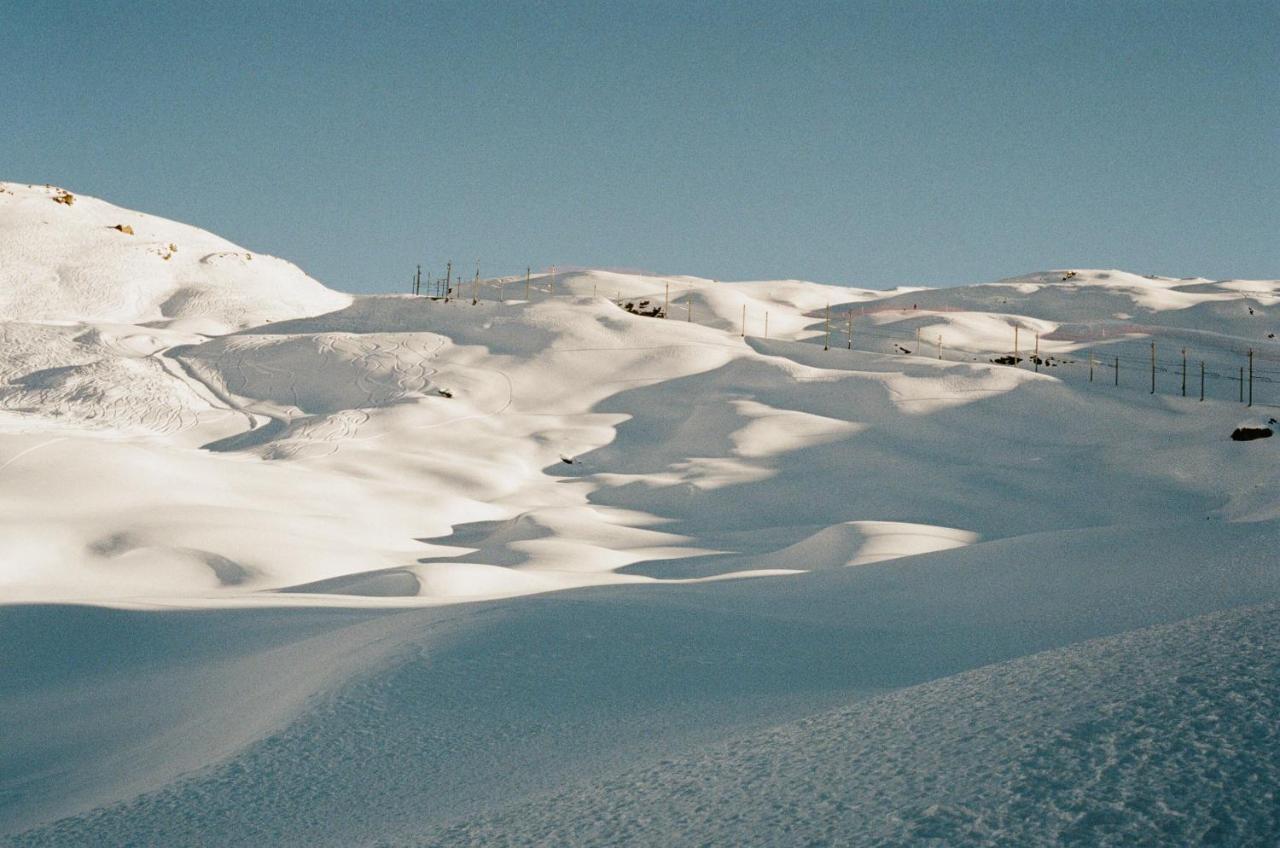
[70, 263]
[1159, 736]
[286, 566]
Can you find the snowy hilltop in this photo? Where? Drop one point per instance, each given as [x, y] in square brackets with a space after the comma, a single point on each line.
[67, 257]
[673, 561]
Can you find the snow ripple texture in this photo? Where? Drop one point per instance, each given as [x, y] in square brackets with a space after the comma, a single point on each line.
[1161, 736]
[1164, 736]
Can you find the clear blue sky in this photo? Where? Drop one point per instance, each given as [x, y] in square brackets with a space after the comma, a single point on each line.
[862, 143]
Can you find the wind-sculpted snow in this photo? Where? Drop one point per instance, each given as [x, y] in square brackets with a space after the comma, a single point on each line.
[611, 539]
[1165, 736]
[619, 696]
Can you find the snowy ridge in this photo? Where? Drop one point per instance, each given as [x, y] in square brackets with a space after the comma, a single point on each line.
[67, 257]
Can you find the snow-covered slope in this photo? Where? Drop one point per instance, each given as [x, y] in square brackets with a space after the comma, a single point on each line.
[68, 257]
[1068, 747]
[389, 567]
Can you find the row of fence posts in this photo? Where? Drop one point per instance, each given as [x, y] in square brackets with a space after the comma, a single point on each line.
[1245, 379]
[444, 289]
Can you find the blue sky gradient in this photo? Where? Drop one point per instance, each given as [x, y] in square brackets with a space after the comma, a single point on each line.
[868, 143]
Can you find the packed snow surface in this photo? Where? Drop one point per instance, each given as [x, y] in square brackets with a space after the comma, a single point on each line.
[793, 564]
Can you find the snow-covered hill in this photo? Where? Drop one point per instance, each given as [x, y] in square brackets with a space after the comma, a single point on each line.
[68, 257]
[240, 514]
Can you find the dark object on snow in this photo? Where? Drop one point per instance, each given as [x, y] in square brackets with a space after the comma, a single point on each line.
[1007, 359]
[902, 349]
[444, 393]
[1248, 434]
[566, 460]
[643, 308]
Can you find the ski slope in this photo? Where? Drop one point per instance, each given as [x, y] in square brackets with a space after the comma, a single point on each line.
[286, 566]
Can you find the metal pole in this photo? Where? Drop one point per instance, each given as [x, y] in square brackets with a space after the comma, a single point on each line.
[527, 271]
[1015, 345]
[1153, 368]
[1242, 384]
[826, 345]
[1202, 381]
[1090, 366]
[1117, 370]
[448, 278]
[744, 320]
[849, 315]
[939, 345]
[1251, 376]
[666, 300]
[1184, 372]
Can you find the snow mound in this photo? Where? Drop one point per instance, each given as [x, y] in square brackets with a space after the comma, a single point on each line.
[864, 542]
[66, 257]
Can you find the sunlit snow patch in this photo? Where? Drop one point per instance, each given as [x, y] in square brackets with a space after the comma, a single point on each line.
[863, 542]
